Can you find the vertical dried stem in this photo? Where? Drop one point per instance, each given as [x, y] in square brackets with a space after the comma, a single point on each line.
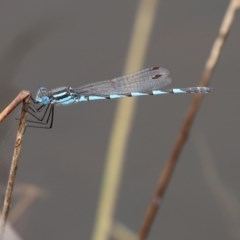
[13, 168]
[143, 24]
[191, 113]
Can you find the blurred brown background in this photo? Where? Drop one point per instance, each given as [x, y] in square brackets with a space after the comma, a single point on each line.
[56, 43]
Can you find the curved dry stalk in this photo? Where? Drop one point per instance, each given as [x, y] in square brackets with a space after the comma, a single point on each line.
[190, 116]
[16, 101]
[141, 32]
[28, 194]
[24, 97]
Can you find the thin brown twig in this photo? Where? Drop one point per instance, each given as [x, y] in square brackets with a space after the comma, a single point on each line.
[16, 101]
[16, 152]
[190, 115]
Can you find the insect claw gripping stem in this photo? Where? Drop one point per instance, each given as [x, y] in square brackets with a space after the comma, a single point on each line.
[42, 116]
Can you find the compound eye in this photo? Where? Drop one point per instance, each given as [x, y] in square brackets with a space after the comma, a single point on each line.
[45, 100]
[42, 97]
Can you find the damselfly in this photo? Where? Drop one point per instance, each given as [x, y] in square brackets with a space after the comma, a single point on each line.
[149, 81]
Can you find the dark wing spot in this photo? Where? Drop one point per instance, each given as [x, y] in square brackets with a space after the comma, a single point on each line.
[155, 68]
[156, 76]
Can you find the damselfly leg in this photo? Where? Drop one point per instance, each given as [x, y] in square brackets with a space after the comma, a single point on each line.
[41, 115]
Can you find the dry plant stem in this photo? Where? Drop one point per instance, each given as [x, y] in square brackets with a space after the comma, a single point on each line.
[143, 24]
[18, 99]
[191, 113]
[13, 168]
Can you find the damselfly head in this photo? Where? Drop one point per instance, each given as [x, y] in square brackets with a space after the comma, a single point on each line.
[42, 96]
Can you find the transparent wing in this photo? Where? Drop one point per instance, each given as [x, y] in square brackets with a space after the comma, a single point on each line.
[143, 81]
